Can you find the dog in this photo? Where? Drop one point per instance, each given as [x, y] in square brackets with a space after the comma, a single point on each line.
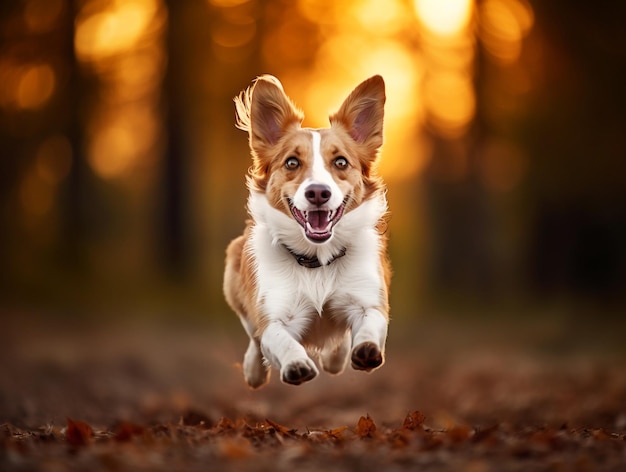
[309, 277]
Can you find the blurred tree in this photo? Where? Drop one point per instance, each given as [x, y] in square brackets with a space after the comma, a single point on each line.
[577, 183]
[530, 182]
[78, 198]
[46, 189]
[175, 224]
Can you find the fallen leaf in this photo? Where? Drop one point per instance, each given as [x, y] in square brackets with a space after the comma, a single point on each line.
[78, 433]
[414, 421]
[600, 434]
[337, 432]
[282, 429]
[365, 428]
[459, 433]
[125, 431]
[334, 435]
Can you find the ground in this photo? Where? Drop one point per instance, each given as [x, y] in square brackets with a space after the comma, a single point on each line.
[455, 393]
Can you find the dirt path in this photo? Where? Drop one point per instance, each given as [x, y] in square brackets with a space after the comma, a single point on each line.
[453, 395]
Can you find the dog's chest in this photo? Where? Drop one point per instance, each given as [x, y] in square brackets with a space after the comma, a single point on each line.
[318, 286]
[298, 289]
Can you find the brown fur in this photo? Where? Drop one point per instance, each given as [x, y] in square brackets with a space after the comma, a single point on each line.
[273, 124]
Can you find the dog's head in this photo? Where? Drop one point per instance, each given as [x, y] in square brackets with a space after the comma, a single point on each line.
[314, 176]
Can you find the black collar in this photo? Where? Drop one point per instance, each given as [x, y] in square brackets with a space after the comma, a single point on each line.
[313, 262]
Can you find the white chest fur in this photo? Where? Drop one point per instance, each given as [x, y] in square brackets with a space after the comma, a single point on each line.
[291, 293]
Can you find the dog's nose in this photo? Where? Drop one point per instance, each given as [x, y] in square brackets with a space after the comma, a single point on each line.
[317, 194]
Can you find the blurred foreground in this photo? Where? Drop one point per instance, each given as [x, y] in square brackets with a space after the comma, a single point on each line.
[505, 394]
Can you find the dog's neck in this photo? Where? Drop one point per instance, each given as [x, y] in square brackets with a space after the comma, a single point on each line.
[313, 262]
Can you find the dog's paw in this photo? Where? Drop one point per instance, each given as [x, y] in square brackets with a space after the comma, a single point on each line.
[256, 378]
[334, 359]
[298, 371]
[366, 356]
[255, 372]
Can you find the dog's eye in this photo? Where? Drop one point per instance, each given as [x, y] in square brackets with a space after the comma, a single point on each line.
[341, 163]
[292, 163]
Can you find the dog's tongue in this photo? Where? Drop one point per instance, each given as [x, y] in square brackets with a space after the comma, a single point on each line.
[318, 220]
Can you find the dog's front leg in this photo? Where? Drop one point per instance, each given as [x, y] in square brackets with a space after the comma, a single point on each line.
[369, 333]
[283, 351]
[255, 371]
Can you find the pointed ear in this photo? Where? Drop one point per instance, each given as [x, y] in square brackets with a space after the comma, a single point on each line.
[265, 112]
[361, 114]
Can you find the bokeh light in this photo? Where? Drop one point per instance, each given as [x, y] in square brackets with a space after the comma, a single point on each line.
[122, 43]
[503, 25]
[358, 39]
[447, 42]
[116, 29]
[41, 16]
[121, 143]
[385, 18]
[35, 86]
[450, 98]
[444, 17]
[124, 124]
[227, 3]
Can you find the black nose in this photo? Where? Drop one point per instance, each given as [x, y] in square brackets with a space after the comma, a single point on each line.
[317, 194]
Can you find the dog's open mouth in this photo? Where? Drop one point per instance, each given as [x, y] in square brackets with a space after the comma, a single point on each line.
[318, 224]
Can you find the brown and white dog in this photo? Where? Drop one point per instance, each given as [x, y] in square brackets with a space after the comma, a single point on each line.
[310, 274]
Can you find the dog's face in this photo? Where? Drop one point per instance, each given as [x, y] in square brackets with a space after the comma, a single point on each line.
[314, 176]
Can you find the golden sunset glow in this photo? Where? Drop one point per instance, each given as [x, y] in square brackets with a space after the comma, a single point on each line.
[35, 87]
[115, 30]
[430, 88]
[448, 51]
[235, 34]
[122, 143]
[233, 37]
[41, 16]
[402, 113]
[121, 146]
[444, 17]
[450, 99]
[384, 17]
[137, 73]
[227, 3]
[503, 25]
[123, 43]
[112, 151]
[370, 36]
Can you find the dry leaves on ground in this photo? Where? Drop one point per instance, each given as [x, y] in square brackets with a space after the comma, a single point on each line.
[244, 444]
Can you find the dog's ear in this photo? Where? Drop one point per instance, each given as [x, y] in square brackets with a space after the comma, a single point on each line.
[266, 112]
[361, 114]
